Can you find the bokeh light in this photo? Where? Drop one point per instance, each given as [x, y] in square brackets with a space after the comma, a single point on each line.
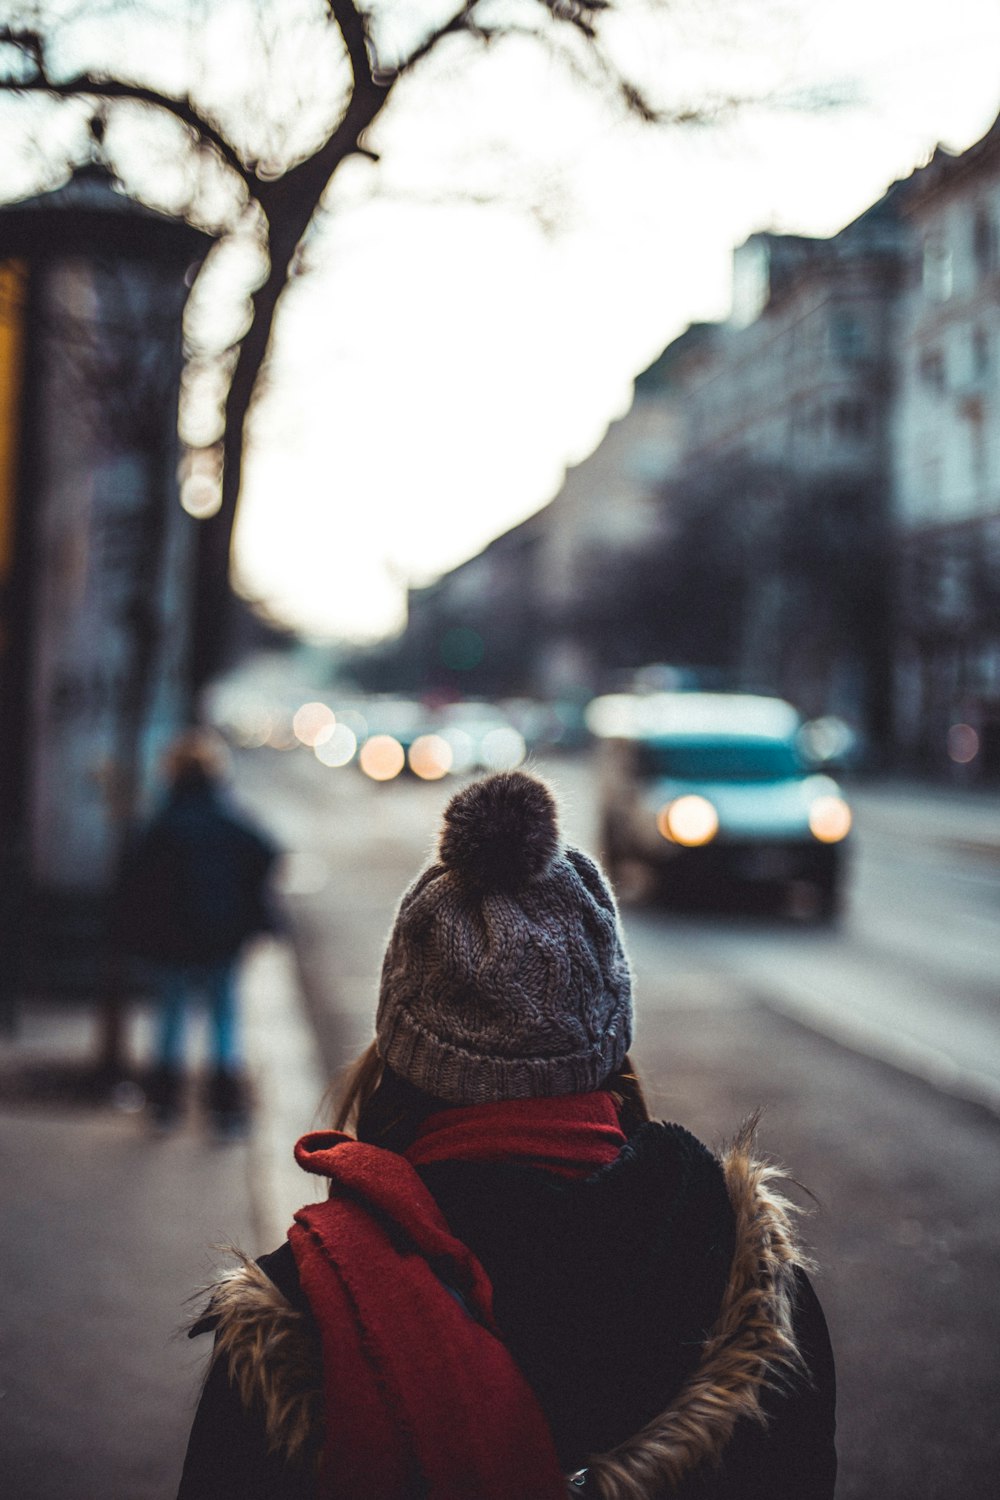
[282, 738]
[313, 723]
[825, 739]
[338, 748]
[382, 757]
[463, 750]
[963, 744]
[502, 749]
[689, 820]
[830, 819]
[430, 757]
[354, 721]
[252, 728]
[462, 648]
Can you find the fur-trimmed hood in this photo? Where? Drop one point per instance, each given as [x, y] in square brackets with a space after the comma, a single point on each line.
[272, 1350]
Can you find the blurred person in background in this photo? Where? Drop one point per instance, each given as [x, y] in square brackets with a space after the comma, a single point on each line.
[194, 889]
[518, 1286]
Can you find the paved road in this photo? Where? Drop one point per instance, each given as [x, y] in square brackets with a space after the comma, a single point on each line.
[913, 974]
[874, 1050]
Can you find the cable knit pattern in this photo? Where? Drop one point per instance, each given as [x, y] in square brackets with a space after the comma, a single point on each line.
[507, 989]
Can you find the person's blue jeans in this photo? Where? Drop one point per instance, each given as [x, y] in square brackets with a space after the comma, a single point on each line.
[217, 984]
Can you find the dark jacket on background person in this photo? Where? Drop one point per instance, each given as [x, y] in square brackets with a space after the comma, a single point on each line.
[659, 1308]
[194, 887]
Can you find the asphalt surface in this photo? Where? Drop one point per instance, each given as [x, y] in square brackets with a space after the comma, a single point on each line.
[871, 1048]
[108, 1232]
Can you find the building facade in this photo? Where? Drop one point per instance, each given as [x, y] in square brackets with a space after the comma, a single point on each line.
[602, 517]
[804, 498]
[787, 417]
[946, 463]
[473, 632]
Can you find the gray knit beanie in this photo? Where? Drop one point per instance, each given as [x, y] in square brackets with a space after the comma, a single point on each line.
[505, 976]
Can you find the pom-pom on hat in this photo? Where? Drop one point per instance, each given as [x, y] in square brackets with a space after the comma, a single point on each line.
[505, 976]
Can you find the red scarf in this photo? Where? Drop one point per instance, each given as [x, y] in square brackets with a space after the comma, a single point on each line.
[421, 1396]
[572, 1135]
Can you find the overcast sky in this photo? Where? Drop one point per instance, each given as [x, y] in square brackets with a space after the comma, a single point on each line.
[444, 362]
[445, 359]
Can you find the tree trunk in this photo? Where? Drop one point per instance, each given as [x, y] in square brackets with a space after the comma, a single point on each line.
[289, 205]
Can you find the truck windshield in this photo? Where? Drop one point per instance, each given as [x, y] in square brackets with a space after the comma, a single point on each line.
[719, 760]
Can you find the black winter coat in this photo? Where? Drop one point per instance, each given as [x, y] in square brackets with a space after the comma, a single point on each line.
[659, 1309]
[194, 884]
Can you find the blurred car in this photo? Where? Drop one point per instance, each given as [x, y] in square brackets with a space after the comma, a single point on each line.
[711, 791]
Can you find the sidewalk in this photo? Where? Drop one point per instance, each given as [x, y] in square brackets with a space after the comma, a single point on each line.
[962, 818]
[106, 1232]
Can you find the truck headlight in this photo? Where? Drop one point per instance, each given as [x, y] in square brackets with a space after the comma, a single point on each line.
[688, 820]
[829, 819]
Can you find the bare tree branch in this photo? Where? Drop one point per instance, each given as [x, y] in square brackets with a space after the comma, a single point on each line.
[578, 14]
[28, 43]
[352, 27]
[84, 85]
[287, 195]
[462, 22]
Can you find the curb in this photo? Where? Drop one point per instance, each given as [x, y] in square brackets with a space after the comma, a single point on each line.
[289, 1084]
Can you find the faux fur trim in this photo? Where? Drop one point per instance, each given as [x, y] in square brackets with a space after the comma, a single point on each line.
[750, 1348]
[273, 1356]
[273, 1353]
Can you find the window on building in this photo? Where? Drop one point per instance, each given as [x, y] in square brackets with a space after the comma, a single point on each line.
[932, 369]
[977, 455]
[847, 337]
[982, 355]
[985, 243]
[938, 271]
